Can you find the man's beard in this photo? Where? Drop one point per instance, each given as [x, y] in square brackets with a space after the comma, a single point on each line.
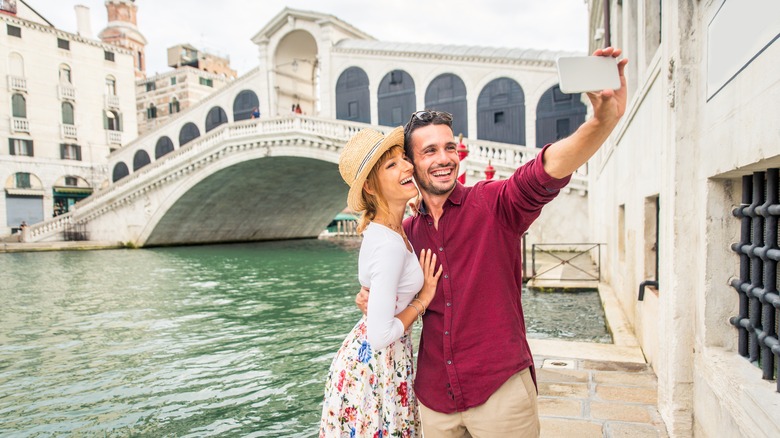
[427, 186]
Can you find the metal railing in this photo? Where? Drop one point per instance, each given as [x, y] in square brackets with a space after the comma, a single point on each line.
[564, 254]
[756, 286]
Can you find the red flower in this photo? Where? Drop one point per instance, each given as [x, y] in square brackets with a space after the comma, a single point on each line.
[342, 374]
[402, 391]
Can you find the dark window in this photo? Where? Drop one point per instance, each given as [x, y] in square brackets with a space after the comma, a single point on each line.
[164, 146]
[215, 117]
[140, 159]
[151, 112]
[71, 181]
[23, 180]
[120, 171]
[188, 133]
[447, 92]
[20, 147]
[173, 107]
[246, 101]
[151, 86]
[18, 106]
[70, 152]
[207, 82]
[14, 31]
[63, 44]
[112, 120]
[173, 80]
[396, 77]
[67, 114]
[498, 117]
[109, 56]
[353, 110]
[563, 128]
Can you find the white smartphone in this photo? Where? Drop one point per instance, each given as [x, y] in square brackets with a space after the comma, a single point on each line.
[580, 74]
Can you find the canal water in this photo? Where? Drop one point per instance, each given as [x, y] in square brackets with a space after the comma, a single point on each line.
[225, 340]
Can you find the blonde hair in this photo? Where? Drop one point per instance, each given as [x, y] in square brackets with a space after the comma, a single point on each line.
[375, 203]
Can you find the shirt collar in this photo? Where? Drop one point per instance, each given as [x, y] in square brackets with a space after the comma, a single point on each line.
[456, 197]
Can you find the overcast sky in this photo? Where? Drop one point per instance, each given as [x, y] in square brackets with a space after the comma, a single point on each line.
[225, 26]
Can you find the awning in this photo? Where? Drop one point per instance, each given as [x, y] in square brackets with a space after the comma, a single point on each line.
[345, 217]
[25, 192]
[73, 190]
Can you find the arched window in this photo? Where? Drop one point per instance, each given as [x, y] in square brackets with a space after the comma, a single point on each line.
[245, 102]
[215, 117]
[151, 112]
[501, 112]
[173, 106]
[164, 146]
[112, 120]
[16, 65]
[65, 77]
[352, 96]
[558, 115]
[18, 106]
[110, 86]
[140, 159]
[188, 133]
[448, 93]
[67, 113]
[120, 171]
[396, 98]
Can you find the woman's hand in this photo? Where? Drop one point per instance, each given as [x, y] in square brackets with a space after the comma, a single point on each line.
[431, 275]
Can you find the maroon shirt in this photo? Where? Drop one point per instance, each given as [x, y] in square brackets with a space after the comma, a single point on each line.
[473, 336]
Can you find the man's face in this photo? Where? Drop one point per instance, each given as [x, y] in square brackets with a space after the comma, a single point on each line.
[435, 159]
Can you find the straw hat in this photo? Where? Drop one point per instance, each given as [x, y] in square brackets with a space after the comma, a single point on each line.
[360, 155]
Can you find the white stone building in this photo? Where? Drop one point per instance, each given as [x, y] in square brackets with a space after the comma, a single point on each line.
[701, 127]
[70, 102]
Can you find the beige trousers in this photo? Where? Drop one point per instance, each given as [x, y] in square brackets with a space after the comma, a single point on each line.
[509, 412]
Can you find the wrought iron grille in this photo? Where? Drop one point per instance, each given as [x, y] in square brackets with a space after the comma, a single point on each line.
[757, 284]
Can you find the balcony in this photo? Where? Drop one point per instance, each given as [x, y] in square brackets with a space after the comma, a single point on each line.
[112, 101]
[19, 124]
[114, 137]
[17, 83]
[66, 92]
[68, 131]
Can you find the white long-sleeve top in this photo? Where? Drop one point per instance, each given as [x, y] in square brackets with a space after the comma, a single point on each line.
[393, 275]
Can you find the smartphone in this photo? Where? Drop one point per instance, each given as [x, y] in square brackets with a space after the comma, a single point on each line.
[580, 74]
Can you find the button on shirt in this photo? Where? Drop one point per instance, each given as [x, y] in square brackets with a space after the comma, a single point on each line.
[473, 336]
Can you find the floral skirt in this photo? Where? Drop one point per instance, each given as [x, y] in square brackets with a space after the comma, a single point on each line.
[369, 393]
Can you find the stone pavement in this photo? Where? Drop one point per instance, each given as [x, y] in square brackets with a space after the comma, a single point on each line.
[587, 389]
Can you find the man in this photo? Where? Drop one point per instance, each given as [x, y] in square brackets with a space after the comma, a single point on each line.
[475, 373]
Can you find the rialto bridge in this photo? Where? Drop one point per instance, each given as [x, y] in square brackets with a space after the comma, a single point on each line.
[212, 173]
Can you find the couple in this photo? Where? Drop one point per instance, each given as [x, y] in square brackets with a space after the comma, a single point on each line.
[475, 374]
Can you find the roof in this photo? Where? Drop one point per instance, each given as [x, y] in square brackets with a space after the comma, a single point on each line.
[453, 51]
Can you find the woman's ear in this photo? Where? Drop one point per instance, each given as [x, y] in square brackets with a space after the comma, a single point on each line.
[367, 188]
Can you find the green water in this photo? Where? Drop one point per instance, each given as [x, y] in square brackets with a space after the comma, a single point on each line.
[230, 340]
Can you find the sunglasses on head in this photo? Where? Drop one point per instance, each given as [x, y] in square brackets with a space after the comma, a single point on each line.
[427, 116]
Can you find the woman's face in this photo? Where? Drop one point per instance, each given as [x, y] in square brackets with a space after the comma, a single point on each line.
[395, 178]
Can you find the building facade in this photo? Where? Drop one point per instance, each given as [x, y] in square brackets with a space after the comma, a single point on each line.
[122, 30]
[685, 195]
[71, 101]
[196, 75]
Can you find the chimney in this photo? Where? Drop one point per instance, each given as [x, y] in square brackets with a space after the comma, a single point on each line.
[82, 21]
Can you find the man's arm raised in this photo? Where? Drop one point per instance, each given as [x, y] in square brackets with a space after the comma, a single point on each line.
[565, 156]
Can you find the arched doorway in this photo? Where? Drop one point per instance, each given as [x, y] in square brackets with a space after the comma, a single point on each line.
[188, 133]
[501, 112]
[164, 146]
[120, 171]
[448, 93]
[296, 77]
[140, 159]
[396, 99]
[558, 115]
[353, 101]
[216, 117]
[243, 105]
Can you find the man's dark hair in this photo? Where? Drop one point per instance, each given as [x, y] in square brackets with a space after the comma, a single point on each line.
[421, 119]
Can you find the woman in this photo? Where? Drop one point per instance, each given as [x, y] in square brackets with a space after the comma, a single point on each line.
[369, 387]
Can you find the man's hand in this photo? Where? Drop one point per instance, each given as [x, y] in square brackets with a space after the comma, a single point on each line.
[361, 300]
[565, 156]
